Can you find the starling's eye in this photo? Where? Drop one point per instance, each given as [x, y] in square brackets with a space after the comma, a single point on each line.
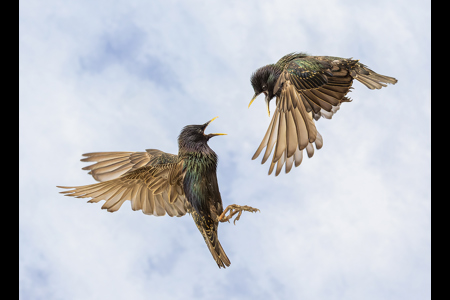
[264, 87]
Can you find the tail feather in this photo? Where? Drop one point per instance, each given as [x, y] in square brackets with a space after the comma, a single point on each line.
[208, 228]
[215, 248]
[370, 78]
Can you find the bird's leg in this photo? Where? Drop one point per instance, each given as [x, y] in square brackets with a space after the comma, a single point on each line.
[234, 209]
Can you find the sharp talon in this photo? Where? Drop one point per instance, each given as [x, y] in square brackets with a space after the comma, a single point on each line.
[235, 209]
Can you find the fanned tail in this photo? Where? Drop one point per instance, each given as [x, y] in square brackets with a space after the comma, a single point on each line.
[370, 78]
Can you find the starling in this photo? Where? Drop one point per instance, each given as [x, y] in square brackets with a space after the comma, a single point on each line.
[158, 183]
[306, 88]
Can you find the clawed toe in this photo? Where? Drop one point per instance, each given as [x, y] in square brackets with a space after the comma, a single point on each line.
[235, 209]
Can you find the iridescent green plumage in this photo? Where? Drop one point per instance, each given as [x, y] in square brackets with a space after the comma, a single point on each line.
[158, 183]
[306, 88]
[199, 165]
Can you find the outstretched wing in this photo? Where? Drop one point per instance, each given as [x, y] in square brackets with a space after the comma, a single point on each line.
[292, 129]
[153, 183]
[309, 88]
[110, 165]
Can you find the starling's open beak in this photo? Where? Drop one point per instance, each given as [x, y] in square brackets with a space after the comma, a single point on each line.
[213, 134]
[267, 102]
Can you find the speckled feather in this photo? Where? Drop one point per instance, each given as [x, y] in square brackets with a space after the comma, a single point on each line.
[306, 88]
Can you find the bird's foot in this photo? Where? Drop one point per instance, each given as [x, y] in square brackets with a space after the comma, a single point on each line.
[235, 209]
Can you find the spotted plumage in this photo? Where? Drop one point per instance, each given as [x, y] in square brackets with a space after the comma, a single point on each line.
[158, 183]
[306, 88]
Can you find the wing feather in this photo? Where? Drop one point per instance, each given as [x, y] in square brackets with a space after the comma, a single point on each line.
[291, 134]
[101, 156]
[309, 123]
[169, 208]
[310, 150]
[155, 188]
[280, 163]
[302, 132]
[289, 163]
[272, 165]
[111, 165]
[281, 141]
[107, 162]
[273, 137]
[172, 194]
[102, 194]
[146, 200]
[111, 199]
[135, 200]
[319, 141]
[298, 157]
[108, 173]
[318, 101]
[115, 199]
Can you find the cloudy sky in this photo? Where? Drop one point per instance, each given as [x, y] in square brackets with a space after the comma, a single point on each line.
[353, 222]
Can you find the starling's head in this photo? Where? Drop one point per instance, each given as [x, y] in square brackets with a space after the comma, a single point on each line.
[194, 136]
[263, 81]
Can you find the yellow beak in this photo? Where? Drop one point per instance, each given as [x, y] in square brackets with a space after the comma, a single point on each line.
[267, 103]
[214, 133]
[212, 120]
[253, 99]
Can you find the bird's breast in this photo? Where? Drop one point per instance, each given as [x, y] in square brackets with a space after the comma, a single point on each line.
[200, 182]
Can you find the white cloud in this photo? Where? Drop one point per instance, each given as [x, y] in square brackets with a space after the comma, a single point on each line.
[353, 222]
